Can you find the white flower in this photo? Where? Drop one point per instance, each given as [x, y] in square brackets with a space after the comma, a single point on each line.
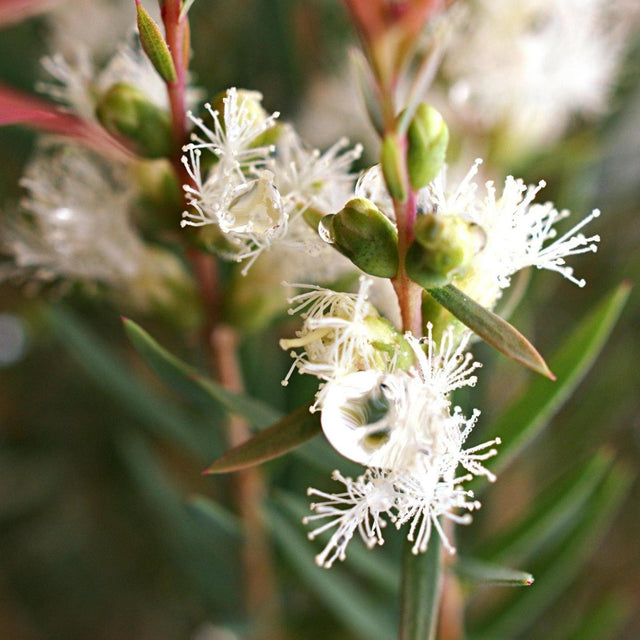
[518, 232]
[392, 420]
[417, 494]
[401, 425]
[75, 224]
[79, 84]
[297, 178]
[360, 508]
[338, 333]
[530, 66]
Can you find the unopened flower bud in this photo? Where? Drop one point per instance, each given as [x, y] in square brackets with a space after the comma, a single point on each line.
[428, 139]
[393, 167]
[443, 248]
[125, 111]
[364, 235]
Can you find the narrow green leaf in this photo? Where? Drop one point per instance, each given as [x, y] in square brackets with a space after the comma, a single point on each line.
[111, 375]
[561, 564]
[214, 514]
[154, 45]
[596, 620]
[186, 380]
[550, 514]
[346, 599]
[421, 590]
[479, 571]
[491, 328]
[530, 413]
[285, 435]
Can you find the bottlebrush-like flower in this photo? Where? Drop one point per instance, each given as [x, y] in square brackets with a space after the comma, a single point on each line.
[530, 66]
[256, 192]
[401, 426]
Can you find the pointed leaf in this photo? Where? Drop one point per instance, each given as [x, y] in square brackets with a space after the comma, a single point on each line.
[215, 515]
[114, 378]
[421, 590]
[530, 413]
[562, 563]
[480, 571]
[491, 328]
[550, 513]
[184, 379]
[597, 620]
[285, 435]
[154, 45]
[346, 599]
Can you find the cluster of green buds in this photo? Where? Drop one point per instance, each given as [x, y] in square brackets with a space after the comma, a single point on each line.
[442, 247]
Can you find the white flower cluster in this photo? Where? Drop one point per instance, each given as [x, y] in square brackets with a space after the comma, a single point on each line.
[385, 404]
[259, 178]
[75, 223]
[530, 66]
[514, 232]
[75, 227]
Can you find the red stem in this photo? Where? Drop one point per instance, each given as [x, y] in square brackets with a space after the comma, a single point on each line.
[409, 293]
[175, 30]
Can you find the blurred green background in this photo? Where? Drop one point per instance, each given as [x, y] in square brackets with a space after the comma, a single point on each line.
[97, 457]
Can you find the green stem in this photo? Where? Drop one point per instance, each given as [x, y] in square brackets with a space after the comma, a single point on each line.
[421, 591]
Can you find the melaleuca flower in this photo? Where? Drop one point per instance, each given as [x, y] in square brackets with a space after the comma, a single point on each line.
[78, 83]
[342, 333]
[382, 418]
[75, 227]
[256, 192]
[75, 224]
[510, 230]
[528, 67]
[516, 232]
[401, 425]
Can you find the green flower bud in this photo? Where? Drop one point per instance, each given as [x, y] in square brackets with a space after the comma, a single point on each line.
[154, 45]
[393, 167]
[443, 248]
[365, 235]
[125, 111]
[428, 139]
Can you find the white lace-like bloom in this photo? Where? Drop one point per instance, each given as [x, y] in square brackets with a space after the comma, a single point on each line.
[413, 445]
[75, 224]
[79, 83]
[529, 66]
[338, 333]
[256, 193]
[518, 232]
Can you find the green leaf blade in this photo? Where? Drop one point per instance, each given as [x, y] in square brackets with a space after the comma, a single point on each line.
[529, 414]
[480, 571]
[562, 561]
[285, 435]
[421, 590]
[187, 381]
[491, 328]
